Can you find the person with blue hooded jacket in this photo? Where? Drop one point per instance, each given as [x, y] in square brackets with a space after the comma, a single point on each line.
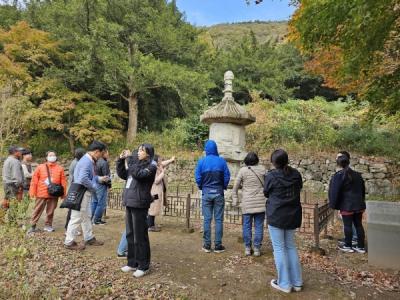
[212, 177]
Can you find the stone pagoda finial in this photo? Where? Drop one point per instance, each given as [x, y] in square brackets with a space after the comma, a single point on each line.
[227, 111]
[228, 90]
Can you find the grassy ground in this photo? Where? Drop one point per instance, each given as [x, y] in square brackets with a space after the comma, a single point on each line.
[40, 268]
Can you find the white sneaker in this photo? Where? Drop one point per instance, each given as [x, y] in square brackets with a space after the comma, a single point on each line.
[297, 288]
[128, 269]
[275, 285]
[247, 251]
[257, 252]
[140, 273]
[48, 229]
[359, 250]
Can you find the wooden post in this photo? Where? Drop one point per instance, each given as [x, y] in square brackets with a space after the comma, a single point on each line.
[316, 226]
[188, 211]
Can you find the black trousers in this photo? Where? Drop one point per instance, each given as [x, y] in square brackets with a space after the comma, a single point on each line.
[348, 222]
[138, 238]
[151, 221]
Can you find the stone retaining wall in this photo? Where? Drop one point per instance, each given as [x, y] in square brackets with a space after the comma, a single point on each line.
[382, 177]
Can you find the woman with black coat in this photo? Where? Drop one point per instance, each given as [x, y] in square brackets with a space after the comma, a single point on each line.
[284, 214]
[137, 198]
[347, 194]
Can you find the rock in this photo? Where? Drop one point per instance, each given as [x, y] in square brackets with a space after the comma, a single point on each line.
[308, 175]
[315, 186]
[371, 187]
[367, 175]
[301, 170]
[362, 161]
[317, 176]
[386, 183]
[314, 167]
[361, 168]
[379, 175]
[378, 168]
[332, 167]
[306, 162]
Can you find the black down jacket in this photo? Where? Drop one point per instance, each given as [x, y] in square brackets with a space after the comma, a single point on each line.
[139, 178]
[283, 192]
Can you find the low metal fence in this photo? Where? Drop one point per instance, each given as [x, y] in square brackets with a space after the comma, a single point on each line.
[316, 212]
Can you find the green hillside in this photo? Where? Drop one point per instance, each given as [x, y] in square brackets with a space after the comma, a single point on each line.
[224, 35]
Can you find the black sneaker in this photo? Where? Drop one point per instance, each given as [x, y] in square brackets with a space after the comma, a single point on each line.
[100, 222]
[346, 249]
[219, 249]
[206, 248]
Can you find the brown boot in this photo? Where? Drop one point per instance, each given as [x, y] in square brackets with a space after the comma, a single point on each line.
[75, 246]
[94, 242]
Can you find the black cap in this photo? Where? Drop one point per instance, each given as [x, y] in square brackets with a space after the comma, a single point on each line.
[26, 152]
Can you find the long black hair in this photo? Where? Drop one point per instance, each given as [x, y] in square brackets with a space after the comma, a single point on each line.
[149, 150]
[343, 161]
[280, 160]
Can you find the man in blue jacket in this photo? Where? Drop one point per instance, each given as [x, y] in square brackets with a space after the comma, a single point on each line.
[212, 177]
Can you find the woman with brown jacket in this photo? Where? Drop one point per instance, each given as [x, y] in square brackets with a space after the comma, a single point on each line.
[158, 191]
[251, 179]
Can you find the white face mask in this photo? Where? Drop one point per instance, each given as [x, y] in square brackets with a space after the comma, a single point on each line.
[51, 158]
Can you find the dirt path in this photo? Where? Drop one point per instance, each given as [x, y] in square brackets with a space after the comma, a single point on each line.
[185, 272]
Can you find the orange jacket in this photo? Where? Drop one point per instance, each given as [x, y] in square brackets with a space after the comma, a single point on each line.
[38, 188]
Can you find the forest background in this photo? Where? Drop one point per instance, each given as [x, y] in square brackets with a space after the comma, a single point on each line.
[129, 71]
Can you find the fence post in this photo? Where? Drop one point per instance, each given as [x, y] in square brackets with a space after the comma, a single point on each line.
[316, 226]
[188, 211]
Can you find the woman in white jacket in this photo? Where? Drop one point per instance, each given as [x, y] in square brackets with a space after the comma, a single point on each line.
[251, 179]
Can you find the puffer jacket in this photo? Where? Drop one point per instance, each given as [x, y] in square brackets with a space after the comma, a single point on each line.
[212, 174]
[38, 187]
[251, 180]
[347, 191]
[139, 178]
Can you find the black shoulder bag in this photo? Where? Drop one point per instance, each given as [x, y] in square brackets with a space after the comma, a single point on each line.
[54, 190]
[74, 197]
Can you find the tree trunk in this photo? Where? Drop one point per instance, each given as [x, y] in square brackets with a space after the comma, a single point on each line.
[133, 118]
[71, 143]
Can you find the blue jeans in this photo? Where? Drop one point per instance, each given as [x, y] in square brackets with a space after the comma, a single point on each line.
[286, 258]
[258, 229]
[123, 244]
[213, 204]
[99, 202]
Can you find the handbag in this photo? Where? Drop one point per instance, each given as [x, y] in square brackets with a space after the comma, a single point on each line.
[54, 190]
[74, 197]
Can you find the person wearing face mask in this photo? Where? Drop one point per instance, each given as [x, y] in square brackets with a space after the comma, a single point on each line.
[137, 198]
[46, 173]
[84, 174]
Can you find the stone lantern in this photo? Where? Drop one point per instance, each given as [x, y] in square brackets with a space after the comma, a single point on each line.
[227, 122]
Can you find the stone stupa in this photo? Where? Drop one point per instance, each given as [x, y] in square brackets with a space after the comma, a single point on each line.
[227, 121]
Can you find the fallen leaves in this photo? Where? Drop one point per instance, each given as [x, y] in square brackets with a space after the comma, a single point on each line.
[379, 280]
